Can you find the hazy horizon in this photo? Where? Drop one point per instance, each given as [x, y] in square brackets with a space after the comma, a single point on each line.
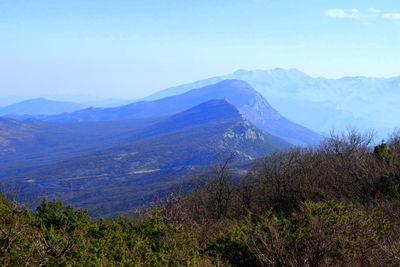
[87, 98]
[130, 49]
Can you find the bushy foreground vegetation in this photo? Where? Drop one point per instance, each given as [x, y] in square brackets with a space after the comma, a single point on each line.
[335, 205]
[56, 235]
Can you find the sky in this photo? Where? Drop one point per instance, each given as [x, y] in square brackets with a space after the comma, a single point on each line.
[131, 48]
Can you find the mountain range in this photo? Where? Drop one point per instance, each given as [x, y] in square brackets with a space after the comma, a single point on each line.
[320, 104]
[249, 102]
[144, 157]
[110, 160]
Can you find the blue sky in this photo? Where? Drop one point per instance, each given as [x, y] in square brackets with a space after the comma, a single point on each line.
[130, 48]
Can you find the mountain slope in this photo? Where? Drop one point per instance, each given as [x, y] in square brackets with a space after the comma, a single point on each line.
[119, 178]
[318, 103]
[249, 102]
[40, 106]
[13, 133]
[28, 145]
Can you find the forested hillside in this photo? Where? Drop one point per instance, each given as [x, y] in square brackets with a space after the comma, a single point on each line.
[334, 205]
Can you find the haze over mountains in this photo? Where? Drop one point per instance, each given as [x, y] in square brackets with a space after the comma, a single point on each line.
[40, 106]
[320, 104]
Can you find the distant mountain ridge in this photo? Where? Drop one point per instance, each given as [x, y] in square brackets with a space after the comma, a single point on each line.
[321, 104]
[249, 103]
[40, 106]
